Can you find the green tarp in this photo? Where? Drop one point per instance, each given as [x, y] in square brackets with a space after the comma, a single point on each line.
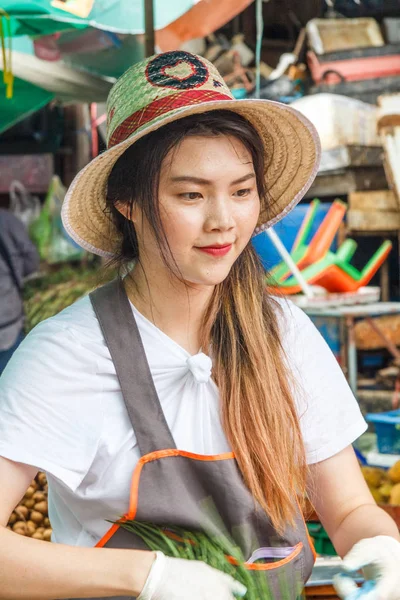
[27, 99]
[36, 18]
[39, 17]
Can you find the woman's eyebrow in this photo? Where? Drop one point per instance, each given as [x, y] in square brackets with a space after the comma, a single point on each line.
[199, 180]
[244, 178]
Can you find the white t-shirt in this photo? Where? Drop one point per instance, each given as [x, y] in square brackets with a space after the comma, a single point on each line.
[62, 411]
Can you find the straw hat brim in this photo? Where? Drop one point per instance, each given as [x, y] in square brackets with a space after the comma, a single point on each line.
[292, 155]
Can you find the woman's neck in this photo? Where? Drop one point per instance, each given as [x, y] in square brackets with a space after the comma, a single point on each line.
[175, 308]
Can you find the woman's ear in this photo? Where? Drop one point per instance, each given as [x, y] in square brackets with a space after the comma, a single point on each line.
[129, 211]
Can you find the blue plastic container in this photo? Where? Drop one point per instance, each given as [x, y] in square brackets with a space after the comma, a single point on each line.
[287, 230]
[387, 427]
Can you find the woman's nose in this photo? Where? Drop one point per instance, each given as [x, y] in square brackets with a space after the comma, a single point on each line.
[220, 215]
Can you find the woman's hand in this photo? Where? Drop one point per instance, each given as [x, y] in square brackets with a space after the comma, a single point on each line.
[379, 557]
[179, 579]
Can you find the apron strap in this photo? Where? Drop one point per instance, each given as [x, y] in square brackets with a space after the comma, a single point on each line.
[122, 337]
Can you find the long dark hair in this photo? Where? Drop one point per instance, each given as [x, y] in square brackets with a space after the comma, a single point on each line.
[240, 324]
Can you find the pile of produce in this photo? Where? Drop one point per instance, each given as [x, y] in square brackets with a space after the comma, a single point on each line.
[44, 297]
[384, 485]
[30, 517]
[220, 553]
[47, 295]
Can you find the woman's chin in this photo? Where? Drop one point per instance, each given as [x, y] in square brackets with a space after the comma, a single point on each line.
[208, 278]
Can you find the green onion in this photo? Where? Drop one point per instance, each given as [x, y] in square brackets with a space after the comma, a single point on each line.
[196, 545]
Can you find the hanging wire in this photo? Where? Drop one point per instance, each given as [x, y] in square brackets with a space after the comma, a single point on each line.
[260, 30]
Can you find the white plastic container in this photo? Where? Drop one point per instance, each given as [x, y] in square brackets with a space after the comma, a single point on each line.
[330, 35]
[392, 29]
[339, 120]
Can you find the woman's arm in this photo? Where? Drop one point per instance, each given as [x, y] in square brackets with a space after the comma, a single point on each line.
[35, 570]
[344, 504]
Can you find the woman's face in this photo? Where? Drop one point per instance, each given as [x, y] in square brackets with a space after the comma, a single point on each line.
[209, 207]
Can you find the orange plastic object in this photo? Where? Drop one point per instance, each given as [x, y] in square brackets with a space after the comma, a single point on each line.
[305, 255]
[323, 238]
[335, 280]
[204, 18]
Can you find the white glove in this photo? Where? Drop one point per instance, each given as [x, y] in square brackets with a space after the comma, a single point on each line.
[180, 579]
[380, 558]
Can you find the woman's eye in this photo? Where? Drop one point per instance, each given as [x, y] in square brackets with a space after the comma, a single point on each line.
[191, 195]
[242, 193]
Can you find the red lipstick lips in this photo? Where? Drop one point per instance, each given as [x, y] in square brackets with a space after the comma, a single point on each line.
[216, 250]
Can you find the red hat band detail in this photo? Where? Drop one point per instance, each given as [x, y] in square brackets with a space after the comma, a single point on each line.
[161, 107]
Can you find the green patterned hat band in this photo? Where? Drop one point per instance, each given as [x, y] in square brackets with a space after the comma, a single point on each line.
[156, 87]
[172, 86]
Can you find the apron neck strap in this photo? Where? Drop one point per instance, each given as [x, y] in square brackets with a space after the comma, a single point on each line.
[122, 337]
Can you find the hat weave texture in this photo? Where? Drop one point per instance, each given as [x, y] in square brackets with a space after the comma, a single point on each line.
[170, 86]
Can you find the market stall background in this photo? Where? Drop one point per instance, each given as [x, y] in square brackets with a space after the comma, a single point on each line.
[338, 62]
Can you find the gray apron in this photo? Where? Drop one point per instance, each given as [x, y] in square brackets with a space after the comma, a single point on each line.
[173, 487]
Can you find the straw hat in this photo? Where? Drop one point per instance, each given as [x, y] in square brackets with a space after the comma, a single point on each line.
[170, 86]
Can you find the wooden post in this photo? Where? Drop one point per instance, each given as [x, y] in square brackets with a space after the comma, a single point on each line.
[384, 282]
[149, 27]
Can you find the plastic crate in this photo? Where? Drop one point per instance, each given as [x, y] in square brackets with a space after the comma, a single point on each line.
[387, 427]
[322, 543]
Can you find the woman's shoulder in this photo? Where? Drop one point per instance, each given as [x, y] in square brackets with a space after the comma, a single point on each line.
[77, 318]
[77, 324]
[70, 344]
[51, 397]
[299, 337]
[291, 319]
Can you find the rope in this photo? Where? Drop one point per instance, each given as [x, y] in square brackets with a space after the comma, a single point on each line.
[8, 77]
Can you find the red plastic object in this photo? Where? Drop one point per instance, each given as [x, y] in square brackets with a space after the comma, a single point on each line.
[353, 69]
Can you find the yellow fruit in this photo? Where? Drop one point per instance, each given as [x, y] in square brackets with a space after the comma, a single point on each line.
[30, 528]
[395, 495]
[394, 472]
[386, 478]
[42, 479]
[36, 517]
[41, 507]
[13, 519]
[22, 512]
[19, 526]
[39, 497]
[385, 490]
[376, 495]
[373, 476]
[29, 492]
[47, 535]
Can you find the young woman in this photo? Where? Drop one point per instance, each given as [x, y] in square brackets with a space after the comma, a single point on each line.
[182, 393]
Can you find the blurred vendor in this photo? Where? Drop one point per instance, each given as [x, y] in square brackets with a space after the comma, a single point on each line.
[18, 259]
